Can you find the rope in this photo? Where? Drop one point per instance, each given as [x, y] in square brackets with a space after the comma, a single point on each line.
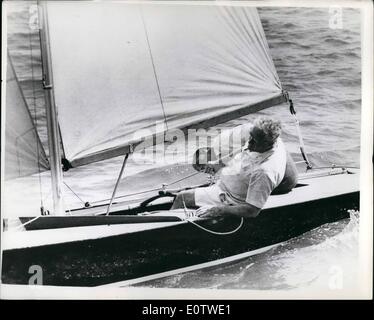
[186, 177]
[26, 223]
[218, 233]
[205, 229]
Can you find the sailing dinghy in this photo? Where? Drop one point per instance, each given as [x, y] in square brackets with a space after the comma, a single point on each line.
[112, 70]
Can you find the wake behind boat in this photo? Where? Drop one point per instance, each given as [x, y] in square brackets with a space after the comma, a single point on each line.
[148, 71]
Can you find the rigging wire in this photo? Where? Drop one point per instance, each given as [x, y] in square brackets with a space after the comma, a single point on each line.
[148, 190]
[86, 203]
[129, 195]
[184, 178]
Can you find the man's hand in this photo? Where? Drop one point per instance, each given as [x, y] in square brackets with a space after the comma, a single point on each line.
[209, 212]
[208, 168]
[205, 160]
[245, 211]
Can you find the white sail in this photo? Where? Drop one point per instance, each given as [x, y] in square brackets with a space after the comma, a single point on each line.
[122, 67]
[24, 154]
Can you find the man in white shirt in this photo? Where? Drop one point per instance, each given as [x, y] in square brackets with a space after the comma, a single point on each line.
[248, 179]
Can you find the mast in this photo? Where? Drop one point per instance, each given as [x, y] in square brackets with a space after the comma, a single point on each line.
[51, 112]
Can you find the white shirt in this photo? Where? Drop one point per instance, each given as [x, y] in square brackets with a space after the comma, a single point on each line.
[250, 177]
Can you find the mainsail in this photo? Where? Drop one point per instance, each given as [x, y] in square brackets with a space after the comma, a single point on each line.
[24, 154]
[123, 67]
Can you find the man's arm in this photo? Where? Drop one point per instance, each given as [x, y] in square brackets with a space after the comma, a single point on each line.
[243, 210]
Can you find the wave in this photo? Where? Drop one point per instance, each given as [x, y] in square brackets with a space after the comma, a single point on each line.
[325, 72]
[320, 55]
[351, 54]
[350, 82]
[341, 157]
[335, 41]
[312, 267]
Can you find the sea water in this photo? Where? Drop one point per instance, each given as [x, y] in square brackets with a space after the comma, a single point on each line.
[318, 61]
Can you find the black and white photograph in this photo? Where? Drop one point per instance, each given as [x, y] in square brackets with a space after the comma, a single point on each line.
[187, 150]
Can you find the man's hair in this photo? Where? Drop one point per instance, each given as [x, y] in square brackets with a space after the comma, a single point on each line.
[270, 129]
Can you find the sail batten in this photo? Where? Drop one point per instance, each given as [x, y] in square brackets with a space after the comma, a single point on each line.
[134, 66]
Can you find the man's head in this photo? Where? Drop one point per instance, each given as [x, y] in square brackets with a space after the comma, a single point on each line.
[263, 134]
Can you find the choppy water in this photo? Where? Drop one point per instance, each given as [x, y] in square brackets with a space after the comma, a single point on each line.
[317, 64]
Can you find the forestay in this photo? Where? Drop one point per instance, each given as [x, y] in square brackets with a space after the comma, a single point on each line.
[123, 67]
[24, 154]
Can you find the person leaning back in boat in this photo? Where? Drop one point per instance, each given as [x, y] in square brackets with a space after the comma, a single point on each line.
[263, 167]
